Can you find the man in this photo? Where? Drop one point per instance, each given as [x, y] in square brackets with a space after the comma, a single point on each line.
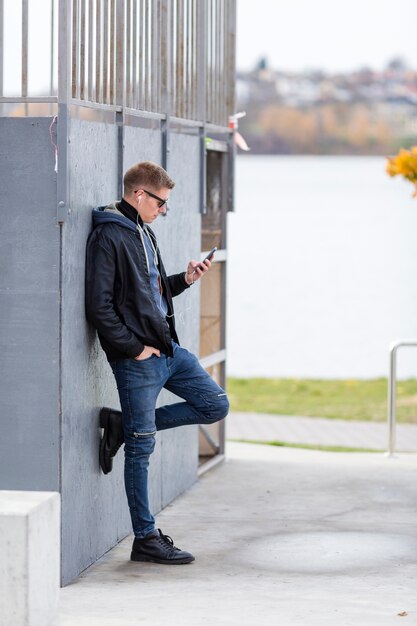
[129, 301]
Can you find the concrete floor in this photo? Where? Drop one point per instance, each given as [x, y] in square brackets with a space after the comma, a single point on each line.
[281, 537]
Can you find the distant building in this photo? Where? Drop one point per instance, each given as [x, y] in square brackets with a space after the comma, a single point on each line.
[366, 111]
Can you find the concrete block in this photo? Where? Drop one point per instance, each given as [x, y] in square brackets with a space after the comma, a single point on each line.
[29, 558]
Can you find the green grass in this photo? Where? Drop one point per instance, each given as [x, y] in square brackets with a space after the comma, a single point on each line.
[342, 399]
[307, 446]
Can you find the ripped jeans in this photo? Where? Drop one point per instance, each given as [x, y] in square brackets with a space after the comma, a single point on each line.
[139, 383]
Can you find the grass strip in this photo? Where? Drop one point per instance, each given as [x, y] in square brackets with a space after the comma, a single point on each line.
[307, 446]
[348, 399]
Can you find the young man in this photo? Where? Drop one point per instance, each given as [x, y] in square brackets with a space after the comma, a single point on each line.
[129, 301]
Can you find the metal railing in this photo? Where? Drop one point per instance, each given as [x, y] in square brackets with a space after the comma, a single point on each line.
[392, 390]
[17, 40]
[173, 57]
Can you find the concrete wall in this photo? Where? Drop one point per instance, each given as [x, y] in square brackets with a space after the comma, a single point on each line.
[94, 513]
[42, 449]
[179, 239]
[179, 236]
[29, 307]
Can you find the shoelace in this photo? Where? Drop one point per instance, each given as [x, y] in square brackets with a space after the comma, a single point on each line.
[166, 540]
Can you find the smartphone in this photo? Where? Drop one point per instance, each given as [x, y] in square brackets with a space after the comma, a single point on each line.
[210, 254]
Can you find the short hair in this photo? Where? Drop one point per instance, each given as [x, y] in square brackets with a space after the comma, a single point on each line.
[146, 174]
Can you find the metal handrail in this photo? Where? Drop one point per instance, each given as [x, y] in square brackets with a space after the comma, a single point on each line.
[392, 391]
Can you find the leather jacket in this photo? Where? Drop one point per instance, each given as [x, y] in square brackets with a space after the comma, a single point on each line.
[118, 298]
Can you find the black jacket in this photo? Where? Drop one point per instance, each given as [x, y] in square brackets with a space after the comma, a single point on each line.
[118, 296]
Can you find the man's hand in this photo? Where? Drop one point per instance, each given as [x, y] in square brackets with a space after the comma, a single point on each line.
[194, 271]
[146, 353]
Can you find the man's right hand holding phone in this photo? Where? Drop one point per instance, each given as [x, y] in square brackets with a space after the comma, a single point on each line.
[195, 270]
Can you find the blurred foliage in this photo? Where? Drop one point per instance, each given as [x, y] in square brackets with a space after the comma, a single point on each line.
[333, 128]
[404, 164]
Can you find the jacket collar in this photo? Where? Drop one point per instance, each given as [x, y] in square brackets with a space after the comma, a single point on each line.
[129, 211]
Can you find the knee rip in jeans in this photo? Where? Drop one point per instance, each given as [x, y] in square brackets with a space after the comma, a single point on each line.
[220, 408]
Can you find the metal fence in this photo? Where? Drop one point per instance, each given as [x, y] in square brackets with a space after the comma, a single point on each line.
[173, 57]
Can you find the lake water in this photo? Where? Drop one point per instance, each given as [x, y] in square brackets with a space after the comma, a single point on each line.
[322, 268]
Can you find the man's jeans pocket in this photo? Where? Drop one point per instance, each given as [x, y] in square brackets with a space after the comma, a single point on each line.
[148, 358]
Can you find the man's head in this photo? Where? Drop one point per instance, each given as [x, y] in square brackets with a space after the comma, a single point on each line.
[146, 187]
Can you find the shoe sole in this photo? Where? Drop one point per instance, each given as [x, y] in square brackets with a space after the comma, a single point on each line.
[103, 421]
[150, 559]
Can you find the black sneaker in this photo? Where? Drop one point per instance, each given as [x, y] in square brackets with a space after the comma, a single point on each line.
[113, 437]
[159, 548]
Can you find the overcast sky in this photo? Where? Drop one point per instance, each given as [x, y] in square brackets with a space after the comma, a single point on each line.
[333, 35]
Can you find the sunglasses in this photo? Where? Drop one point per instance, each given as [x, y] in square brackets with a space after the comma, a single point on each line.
[161, 201]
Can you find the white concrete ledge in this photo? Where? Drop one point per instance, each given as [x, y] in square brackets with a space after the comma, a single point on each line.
[29, 558]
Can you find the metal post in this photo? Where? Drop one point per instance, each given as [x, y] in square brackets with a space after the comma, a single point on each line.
[75, 50]
[120, 152]
[202, 25]
[112, 60]
[155, 61]
[392, 391]
[82, 59]
[1, 46]
[119, 61]
[52, 64]
[166, 23]
[141, 39]
[145, 48]
[231, 157]
[128, 55]
[392, 400]
[179, 69]
[133, 95]
[193, 44]
[224, 207]
[92, 26]
[218, 44]
[120, 79]
[105, 85]
[231, 59]
[64, 94]
[97, 93]
[25, 36]
[188, 39]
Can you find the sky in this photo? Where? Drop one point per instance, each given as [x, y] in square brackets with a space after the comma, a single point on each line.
[332, 35]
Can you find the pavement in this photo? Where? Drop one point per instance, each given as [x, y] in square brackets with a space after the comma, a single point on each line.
[281, 537]
[319, 431]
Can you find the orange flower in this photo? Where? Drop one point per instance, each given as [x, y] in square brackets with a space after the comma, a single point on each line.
[404, 164]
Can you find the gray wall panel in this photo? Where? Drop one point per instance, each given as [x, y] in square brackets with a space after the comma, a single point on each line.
[176, 454]
[179, 239]
[179, 233]
[94, 509]
[29, 307]
[143, 144]
[95, 514]
[180, 461]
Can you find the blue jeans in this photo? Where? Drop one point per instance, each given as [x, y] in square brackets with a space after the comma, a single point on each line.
[139, 383]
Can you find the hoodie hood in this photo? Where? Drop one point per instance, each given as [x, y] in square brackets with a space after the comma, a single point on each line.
[110, 213]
